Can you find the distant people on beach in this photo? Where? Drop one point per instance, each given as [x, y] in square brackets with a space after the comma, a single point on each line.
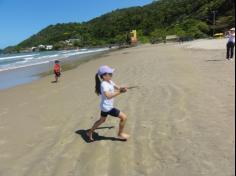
[230, 44]
[108, 90]
[128, 39]
[57, 70]
[181, 40]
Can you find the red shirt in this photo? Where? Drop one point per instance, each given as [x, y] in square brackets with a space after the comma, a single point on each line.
[57, 68]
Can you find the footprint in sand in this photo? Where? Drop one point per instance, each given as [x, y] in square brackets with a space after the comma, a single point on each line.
[182, 119]
[4, 111]
[42, 106]
[2, 142]
[30, 145]
[162, 133]
[50, 128]
[55, 91]
[5, 155]
[23, 104]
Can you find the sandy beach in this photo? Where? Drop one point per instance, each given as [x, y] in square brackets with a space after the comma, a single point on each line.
[181, 119]
[206, 44]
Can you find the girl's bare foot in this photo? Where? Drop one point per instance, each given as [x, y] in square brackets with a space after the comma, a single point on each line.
[123, 136]
[90, 135]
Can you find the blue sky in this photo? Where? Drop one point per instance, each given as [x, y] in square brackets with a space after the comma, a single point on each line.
[19, 19]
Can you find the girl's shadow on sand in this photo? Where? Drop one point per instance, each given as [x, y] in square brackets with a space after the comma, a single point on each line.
[96, 136]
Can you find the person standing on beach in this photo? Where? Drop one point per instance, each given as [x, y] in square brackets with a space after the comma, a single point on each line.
[230, 44]
[57, 70]
[107, 90]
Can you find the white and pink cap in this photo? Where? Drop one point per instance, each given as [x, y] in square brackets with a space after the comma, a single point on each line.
[105, 69]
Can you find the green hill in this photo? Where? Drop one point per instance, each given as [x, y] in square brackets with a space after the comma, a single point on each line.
[192, 18]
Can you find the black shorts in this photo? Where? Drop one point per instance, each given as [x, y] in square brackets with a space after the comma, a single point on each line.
[113, 112]
[58, 74]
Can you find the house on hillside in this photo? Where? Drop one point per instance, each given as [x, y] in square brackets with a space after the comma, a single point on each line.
[33, 49]
[49, 47]
[172, 38]
[70, 42]
[45, 47]
[41, 47]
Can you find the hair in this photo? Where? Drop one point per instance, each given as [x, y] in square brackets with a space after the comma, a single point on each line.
[57, 61]
[97, 84]
[98, 81]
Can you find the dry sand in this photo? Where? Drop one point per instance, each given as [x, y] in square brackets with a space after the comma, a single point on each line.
[210, 44]
[181, 119]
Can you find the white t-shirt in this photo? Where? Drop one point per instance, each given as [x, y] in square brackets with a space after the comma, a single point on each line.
[106, 104]
[231, 38]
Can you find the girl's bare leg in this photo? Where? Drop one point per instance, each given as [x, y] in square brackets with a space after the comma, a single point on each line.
[95, 126]
[123, 119]
[56, 78]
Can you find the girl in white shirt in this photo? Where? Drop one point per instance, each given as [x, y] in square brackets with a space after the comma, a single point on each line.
[107, 90]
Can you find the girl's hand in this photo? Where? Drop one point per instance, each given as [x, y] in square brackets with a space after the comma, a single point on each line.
[123, 89]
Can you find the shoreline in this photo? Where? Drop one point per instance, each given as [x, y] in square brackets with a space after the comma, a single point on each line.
[73, 63]
[38, 71]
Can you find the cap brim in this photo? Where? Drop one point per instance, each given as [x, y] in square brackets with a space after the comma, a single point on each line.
[112, 70]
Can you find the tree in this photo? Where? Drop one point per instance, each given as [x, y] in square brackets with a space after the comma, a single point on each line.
[158, 35]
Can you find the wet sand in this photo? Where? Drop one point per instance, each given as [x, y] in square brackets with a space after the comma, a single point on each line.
[181, 119]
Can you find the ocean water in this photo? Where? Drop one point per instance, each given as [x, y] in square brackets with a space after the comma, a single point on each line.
[23, 68]
[8, 62]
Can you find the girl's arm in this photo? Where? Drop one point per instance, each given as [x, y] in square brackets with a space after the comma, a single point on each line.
[227, 35]
[117, 87]
[110, 95]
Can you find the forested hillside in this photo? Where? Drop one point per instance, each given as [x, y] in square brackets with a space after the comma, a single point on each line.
[192, 18]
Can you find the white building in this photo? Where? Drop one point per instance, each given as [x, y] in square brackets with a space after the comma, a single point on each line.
[49, 47]
[41, 46]
[33, 48]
